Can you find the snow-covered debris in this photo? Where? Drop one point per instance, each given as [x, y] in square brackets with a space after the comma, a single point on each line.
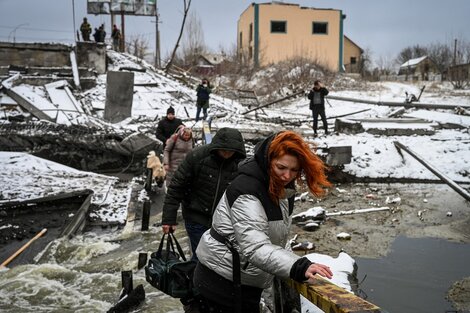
[312, 213]
[24, 177]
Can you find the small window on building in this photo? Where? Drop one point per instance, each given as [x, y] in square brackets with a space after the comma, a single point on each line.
[353, 60]
[250, 53]
[241, 40]
[320, 28]
[251, 32]
[278, 27]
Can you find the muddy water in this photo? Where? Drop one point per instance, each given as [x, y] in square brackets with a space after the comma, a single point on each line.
[415, 276]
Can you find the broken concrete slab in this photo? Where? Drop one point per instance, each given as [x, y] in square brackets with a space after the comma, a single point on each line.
[119, 96]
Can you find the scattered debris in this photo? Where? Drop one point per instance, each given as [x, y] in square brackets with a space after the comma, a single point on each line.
[386, 208]
[343, 236]
[394, 200]
[317, 213]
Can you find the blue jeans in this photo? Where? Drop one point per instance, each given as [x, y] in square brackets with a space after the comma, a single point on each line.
[195, 232]
[198, 112]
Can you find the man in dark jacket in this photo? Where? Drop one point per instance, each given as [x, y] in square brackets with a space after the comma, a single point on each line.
[167, 126]
[317, 105]
[203, 91]
[200, 181]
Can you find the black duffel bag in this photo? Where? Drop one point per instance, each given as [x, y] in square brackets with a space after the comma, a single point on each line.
[169, 271]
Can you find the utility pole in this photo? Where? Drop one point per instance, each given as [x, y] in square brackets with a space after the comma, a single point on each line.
[123, 36]
[157, 39]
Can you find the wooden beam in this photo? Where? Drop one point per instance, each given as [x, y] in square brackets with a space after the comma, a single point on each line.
[332, 298]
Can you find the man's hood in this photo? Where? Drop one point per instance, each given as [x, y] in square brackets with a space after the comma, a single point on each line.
[229, 139]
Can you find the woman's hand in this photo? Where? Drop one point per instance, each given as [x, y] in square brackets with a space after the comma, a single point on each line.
[320, 269]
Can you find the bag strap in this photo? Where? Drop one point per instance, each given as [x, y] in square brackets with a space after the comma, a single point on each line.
[180, 251]
[236, 268]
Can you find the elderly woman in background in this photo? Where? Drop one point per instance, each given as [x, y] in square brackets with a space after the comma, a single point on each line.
[177, 146]
[250, 227]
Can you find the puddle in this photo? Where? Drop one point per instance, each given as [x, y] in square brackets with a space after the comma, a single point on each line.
[415, 276]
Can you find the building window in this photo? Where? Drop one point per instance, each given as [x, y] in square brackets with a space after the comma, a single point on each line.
[320, 28]
[278, 27]
[353, 60]
[241, 40]
[250, 53]
[251, 32]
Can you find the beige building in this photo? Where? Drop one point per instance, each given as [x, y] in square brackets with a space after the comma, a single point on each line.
[276, 31]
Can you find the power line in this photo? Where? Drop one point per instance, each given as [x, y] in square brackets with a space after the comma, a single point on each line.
[39, 29]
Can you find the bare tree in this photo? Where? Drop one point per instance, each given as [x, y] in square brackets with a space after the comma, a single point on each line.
[411, 53]
[441, 55]
[186, 5]
[193, 40]
[138, 46]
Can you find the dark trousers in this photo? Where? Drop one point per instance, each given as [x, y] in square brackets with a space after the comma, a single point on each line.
[217, 294]
[198, 112]
[195, 232]
[315, 114]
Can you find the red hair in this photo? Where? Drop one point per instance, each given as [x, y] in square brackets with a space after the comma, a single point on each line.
[291, 143]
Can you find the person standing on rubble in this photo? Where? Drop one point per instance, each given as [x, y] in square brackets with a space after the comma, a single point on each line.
[200, 181]
[102, 34]
[176, 149]
[252, 221]
[168, 126]
[203, 91]
[116, 36]
[317, 105]
[85, 29]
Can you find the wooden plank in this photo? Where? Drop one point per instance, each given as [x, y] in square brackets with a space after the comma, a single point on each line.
[332, 298]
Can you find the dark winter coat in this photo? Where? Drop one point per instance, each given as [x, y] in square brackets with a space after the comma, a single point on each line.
[321, 93]
[201, 179]
[203, 95]
[166, 128]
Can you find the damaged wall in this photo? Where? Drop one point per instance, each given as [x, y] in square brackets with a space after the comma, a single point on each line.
[34, 54]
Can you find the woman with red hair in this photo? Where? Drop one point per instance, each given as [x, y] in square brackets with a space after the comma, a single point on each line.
[246, 246]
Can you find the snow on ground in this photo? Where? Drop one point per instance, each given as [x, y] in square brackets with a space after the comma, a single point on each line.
[25, 177]
[372, 155]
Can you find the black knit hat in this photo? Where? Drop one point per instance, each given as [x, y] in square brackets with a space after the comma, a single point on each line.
[170, 110]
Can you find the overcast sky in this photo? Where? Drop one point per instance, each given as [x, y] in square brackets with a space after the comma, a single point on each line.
[384, 27]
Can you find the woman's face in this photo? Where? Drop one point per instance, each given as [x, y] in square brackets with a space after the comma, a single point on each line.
[186, 136]
[286, 168]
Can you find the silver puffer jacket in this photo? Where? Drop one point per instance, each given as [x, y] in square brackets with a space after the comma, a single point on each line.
[257, 227]
[260, 242]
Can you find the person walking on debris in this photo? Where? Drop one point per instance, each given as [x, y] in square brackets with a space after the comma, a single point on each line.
[85, 29]
[200, 181]
[168, 126]
[203, 91]
[176, 149]
[317, 105]
[252, 221]
[116, 36]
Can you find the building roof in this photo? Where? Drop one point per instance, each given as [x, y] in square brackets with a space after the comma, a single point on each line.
[212, 58]
[413, 62]
[362, 51]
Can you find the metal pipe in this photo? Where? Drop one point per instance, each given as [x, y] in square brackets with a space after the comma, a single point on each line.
[446, 179]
